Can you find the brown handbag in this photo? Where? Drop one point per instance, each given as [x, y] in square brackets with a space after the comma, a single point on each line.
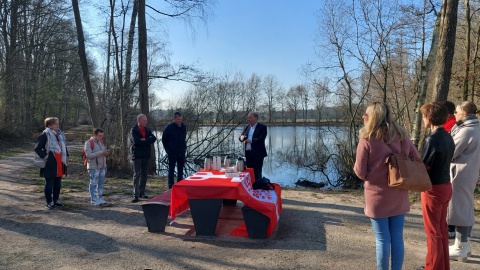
[407, 173]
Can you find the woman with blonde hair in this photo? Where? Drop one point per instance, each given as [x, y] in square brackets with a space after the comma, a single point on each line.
[385, 206]
[464, 170]
[51, 147]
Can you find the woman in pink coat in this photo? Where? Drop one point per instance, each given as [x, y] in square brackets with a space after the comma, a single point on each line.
[385, 206]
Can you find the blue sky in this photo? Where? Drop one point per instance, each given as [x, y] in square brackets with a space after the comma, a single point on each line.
[262, 36]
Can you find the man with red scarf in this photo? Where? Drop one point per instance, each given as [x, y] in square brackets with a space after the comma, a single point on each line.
[141, 139]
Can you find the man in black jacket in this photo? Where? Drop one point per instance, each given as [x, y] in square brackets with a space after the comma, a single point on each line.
[141, 139]
[174, 141]
[254, 136]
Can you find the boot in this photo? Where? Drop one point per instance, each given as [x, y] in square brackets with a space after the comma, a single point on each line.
[455, 246]
[458, 251]
[468, 248]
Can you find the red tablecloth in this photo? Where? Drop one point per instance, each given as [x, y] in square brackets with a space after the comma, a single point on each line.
[214, 185]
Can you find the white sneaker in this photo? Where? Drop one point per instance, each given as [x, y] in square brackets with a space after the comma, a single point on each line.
[94, 202]
[459, 253]
[101, 201]
[468, 248]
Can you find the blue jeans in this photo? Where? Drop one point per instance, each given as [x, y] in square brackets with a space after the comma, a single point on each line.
[52, 185]
[97, 178]
[389, 239]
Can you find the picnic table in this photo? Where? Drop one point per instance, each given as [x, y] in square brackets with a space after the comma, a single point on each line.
[203, 193]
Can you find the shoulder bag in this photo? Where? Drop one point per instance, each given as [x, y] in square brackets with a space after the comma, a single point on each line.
[39, 162]
[407, 173]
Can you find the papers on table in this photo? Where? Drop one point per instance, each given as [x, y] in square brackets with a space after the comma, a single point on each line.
[200, 176]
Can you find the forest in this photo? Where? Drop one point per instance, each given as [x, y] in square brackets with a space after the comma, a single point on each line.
[404, 53]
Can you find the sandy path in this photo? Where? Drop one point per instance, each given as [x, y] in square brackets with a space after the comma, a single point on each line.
[317, 230]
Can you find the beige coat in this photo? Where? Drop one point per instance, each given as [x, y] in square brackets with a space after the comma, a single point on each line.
[464, 170]
[96, 159]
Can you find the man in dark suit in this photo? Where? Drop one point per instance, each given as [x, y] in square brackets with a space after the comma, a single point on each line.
[175, 145]
[253, 136]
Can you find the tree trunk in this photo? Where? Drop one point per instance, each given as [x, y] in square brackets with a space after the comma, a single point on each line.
[468, 31]
[425, 73]
[83, 62]
[446, 49]
[142, 59]
[125, 92]
[474, 64]
[142, 72]
[10, 87]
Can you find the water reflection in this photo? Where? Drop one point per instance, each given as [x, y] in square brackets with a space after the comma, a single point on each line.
[293, 152]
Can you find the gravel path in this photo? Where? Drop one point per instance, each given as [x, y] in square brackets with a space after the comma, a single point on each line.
[317, 230]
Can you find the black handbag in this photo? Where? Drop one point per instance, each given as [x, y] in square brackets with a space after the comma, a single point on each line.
[264, 184]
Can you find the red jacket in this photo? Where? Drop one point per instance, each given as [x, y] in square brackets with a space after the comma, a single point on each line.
[450, 123]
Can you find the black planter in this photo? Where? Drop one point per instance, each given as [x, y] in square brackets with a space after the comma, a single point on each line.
[205, 215]
[156, 216]
[256, 223]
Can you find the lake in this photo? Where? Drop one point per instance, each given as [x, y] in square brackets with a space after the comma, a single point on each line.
[294, 152]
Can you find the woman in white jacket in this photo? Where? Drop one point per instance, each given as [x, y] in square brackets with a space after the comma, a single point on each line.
[464, 170]
[96, 153]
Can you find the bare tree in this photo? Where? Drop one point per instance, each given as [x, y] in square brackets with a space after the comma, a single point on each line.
[294, 100]
[142, 59]
[474, 62]
[270, 88]
[446, 49]
[468, 33]
[320, 92]
[425, 67]
[304, 92]
[83, 62]
[253, 87]
[282, 104]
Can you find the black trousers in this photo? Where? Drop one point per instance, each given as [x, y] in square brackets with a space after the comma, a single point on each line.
[179, 160]
[254, 162]
[52, 186]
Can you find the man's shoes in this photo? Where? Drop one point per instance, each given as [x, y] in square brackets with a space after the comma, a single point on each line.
[58, 203]
[143, 196]
[101, 201]
[50, 206]
[135, 200]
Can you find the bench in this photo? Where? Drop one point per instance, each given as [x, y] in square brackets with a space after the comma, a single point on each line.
[156, 211]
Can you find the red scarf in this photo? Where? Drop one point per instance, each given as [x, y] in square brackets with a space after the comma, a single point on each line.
[143, 131]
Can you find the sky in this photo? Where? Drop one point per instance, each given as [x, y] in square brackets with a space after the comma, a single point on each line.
[262, 36]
